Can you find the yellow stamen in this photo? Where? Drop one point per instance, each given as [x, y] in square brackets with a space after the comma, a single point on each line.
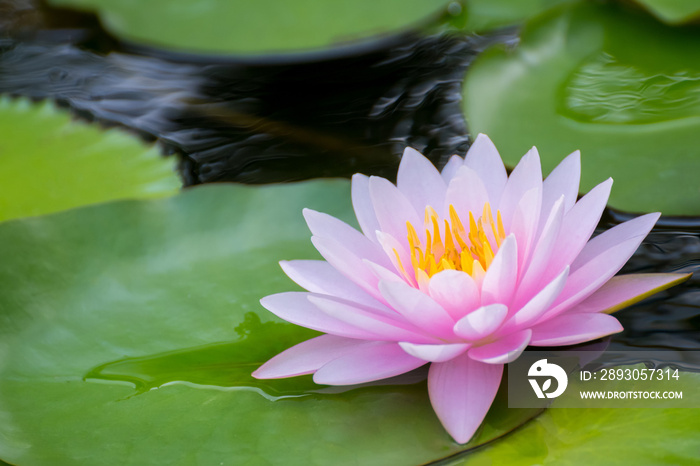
[469, 251]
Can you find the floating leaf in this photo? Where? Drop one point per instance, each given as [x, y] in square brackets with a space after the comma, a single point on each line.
[50, 163]
[621, 87]
[129, 331]
[263, 26]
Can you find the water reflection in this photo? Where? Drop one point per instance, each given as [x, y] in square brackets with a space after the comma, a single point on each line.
[606, 90]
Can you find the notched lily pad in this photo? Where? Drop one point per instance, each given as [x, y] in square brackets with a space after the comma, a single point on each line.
[141, 339]
[49, 162]
[614, 83]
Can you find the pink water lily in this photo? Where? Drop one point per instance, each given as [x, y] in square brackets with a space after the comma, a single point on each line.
[461, 269]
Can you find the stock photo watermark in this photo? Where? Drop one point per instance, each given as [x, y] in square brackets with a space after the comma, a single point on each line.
[614, 379]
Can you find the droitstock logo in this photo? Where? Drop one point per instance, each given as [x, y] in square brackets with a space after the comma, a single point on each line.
[544, 371]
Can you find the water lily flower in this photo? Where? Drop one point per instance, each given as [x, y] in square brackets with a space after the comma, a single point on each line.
[461, 269]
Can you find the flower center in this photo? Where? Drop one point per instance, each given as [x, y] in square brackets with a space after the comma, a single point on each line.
[455, 248]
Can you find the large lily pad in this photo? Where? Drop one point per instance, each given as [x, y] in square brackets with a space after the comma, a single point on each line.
[50, 163]
[262, 26]
[614, 83]
[129, 331]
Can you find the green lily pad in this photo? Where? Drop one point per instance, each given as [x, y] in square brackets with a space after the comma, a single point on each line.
[602, 436]
[49, 162]
[621, 87]
[259, 27]
[129, 331]
[673, 11]
[488, 14]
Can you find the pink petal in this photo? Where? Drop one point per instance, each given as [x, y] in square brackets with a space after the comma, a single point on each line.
[531, 278]
[383, 274]
[461, 392]
[362, 204]
[295, 307]
[367, 363]
[455, 291]
[588, 278]
[434, 353]
[308, 356]
[502, 351]
[392, 208]
[602, 258]
[525, 223]
[526, 175]
[622, 291]
[571, 329]
[326, 226]
[484, 159]
[501, 277]
[451, 167]
[539, 304]
[381, 325]
[420, 181]
[467, 193]
[398, 255]
[418, 308]
[481, 322]
[638, 227]
[348, 264]
[321, 277]
[563, 181]
[578, 227]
